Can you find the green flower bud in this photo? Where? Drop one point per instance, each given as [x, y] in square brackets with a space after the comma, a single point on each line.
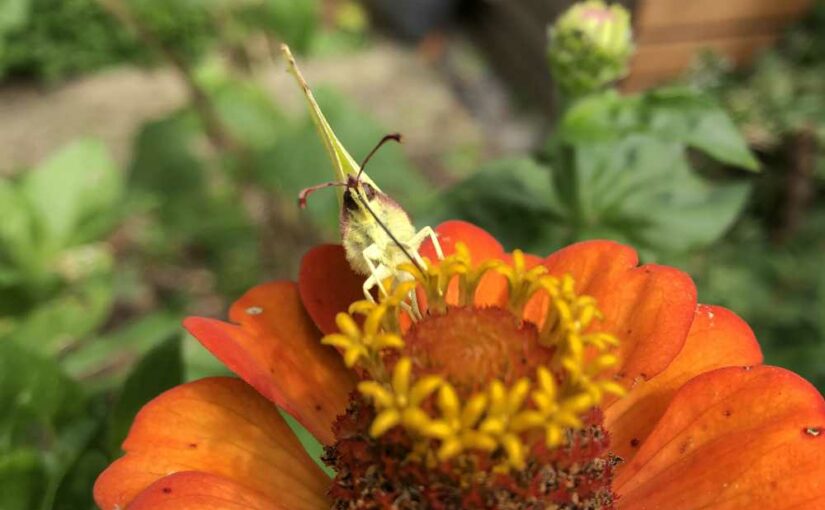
[590, 47]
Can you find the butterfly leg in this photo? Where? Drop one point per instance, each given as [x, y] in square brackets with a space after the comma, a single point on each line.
[378, 271]
[419, 237]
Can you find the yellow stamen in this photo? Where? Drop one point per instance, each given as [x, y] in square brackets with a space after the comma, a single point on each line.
[398, 403]
[501, 418]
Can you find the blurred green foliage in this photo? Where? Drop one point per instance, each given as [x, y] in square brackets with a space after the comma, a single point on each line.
[769, 267]
[52, 39]
[99, 263]
[653, 170]
[617, 167]
[56, 278]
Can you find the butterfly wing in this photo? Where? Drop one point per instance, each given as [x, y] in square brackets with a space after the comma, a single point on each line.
[342, 161]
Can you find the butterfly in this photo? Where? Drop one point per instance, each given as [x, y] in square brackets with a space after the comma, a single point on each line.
[376, 232]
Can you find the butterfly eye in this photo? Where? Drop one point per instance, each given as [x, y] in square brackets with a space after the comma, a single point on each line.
[349, 201]
[369, 191]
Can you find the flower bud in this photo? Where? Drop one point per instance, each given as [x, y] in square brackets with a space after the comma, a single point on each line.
[590, 46]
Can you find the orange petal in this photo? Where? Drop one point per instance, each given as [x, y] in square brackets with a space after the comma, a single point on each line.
[328, 285]
[277, 349]
[482, 246]
[492, 289]
[717, 338]
[192, 490]
[218, 426]
[649, 308]
[731, 439]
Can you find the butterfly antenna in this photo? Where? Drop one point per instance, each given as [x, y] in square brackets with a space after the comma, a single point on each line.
[396, 137]
[305, 193]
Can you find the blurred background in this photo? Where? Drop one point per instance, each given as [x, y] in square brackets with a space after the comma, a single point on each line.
[151, 153]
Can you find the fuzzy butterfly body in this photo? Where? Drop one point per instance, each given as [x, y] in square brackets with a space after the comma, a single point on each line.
[360, 230]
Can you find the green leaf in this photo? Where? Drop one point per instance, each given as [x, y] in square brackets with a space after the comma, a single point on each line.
[514, 199]
[165, 161]
[58, 323]
[72, 440]
[34, 393]
[73, 492]
[13, 15]
[312, 446]
[643, 191]
[297, 23]
[248, 112]
[72, 194]
[16, 230]
[716, 135]
[21, 478]
[676, 114]
[603, 116]
[692, 117]
[104, 360]
[159, 370]
[43, 428]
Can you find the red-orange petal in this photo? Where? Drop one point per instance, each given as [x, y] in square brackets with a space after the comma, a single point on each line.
[649, 308]
[482, 246]
[328, 285]
[193, 490]
[492, 290]
[277, 349]
[219, 426]
[718, 338]
[732, 438]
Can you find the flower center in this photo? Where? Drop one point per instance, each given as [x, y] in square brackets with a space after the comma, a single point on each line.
[464, 404]
[472, 346]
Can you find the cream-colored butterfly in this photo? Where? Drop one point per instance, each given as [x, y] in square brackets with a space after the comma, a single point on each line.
[376, 232]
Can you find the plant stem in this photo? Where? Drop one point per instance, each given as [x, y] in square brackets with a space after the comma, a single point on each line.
[281, 232]
[215, 130]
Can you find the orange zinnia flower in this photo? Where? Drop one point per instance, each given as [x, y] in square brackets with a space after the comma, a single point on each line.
[499, 391]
